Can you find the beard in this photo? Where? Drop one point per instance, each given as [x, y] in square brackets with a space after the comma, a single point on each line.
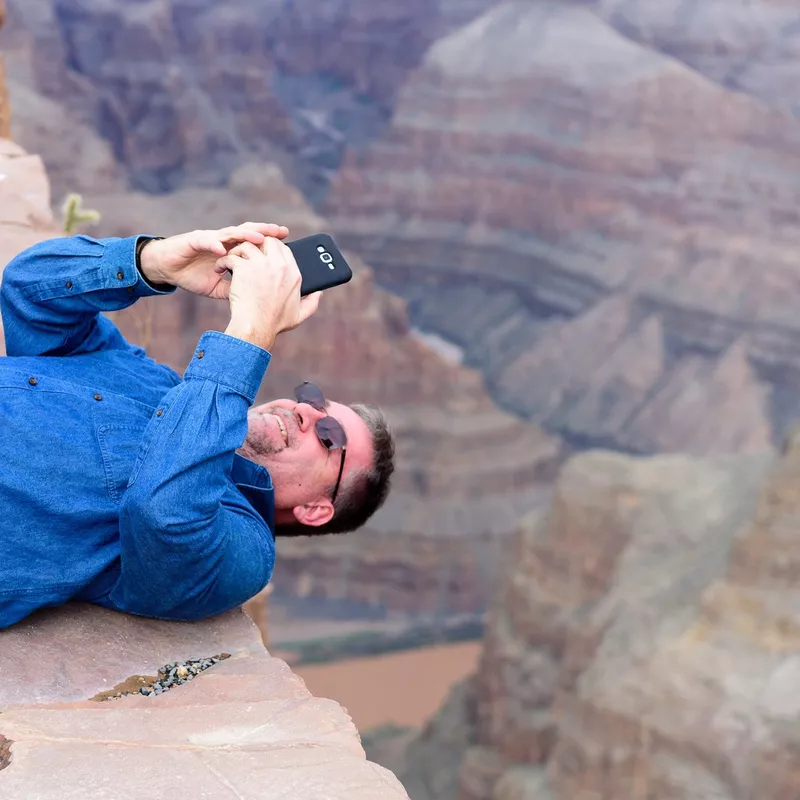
[258, 443]
[258, 446]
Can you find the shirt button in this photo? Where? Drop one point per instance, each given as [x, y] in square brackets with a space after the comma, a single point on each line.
[98, 397]
[32, 381]
[130, 289]
[120, 275]
[69, 284]
[201, 353]
[159, 412]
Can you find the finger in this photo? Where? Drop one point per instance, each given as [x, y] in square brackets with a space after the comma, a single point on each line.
[227, 263]
[309, 305]
[288, 256]
[207, 242]
[268, 229]
[237, 234]
[275, 251]
[248, 250]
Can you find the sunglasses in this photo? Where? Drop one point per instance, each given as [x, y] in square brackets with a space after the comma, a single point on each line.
[329, 430]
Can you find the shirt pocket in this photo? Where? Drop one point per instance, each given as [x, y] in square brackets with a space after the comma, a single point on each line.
[119, 448]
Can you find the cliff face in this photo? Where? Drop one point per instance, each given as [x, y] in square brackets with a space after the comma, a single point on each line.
[24, 203]
[645, 642]
[74, 722]
[749, 47]
[608, 233]
[185, 90]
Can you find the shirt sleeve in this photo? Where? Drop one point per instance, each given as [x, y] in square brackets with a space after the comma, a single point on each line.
[53, 293]
[191, 544]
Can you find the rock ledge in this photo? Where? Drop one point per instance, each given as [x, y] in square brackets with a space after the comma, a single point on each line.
[246, 727]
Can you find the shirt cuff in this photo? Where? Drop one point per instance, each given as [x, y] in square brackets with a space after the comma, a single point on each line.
[119, 256]
[229, 361]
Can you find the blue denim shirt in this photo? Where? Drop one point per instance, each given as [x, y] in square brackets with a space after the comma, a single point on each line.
[119, 481]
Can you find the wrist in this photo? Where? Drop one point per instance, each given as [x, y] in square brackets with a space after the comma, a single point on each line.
[147, 261]
[260, 338]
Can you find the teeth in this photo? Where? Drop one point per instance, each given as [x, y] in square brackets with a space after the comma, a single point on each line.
[282, 426]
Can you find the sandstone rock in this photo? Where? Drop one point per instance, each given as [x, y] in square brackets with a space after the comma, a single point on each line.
[541, 167]
[24, 204]
[434, 758]
[749, 46]
[644, 641]
[5, 116]
[185, 91]
[244, 724]
[704, 707]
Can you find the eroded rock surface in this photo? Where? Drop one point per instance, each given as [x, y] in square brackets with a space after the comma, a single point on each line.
[185, 91]
[25, 213]
[246, 727]
[607, 232]
[645, 642]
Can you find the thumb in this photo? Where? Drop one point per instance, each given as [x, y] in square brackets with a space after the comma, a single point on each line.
[309, 306]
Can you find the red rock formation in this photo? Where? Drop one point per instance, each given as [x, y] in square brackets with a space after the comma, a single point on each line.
[540, 165]
[243, 724]
[24, 203]
[187, 90]
[5, 121]
[750, 47]
[644, 642]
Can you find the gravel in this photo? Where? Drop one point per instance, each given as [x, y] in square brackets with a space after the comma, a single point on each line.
[179, 672]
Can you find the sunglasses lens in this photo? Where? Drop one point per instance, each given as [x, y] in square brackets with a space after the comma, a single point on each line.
[331, 433]
[311, 394]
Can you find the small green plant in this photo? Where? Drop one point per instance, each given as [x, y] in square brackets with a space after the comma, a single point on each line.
[74, 214]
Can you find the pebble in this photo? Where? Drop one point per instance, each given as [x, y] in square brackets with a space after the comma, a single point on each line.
[176, 674]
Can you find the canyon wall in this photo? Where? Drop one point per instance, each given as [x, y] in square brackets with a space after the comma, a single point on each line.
[610, 235]
[645, 642]
[185, 91]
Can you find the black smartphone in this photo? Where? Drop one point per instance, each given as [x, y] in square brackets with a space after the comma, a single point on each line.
[321, 263]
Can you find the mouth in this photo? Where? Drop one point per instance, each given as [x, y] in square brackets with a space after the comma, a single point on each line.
[282, 427]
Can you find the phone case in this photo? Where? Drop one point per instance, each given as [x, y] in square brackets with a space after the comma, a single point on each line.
[321, 263]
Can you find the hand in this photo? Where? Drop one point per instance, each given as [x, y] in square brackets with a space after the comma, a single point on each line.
[188, 261]
[265, 292]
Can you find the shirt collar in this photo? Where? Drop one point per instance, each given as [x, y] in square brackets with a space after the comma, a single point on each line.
[255, 483]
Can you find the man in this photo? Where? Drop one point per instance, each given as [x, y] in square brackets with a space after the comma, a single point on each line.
[127, 485]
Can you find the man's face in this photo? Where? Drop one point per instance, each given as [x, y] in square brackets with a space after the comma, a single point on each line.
[281, 436]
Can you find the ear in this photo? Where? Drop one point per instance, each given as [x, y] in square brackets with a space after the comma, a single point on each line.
[315, 513]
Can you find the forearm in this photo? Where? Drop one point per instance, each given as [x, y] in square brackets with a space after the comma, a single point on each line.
[52, 295]
[189, 539]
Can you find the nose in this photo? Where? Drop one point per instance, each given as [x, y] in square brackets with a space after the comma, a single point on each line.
[308, 416]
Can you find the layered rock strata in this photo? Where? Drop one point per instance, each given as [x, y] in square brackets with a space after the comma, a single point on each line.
[242, 727]
[185, 91]
[751, 47]
[645, 642]
[602, 228]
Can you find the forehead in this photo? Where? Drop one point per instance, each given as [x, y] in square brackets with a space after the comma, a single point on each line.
[359, 438]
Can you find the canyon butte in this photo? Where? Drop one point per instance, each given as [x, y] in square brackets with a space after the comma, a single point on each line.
[644, 642]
